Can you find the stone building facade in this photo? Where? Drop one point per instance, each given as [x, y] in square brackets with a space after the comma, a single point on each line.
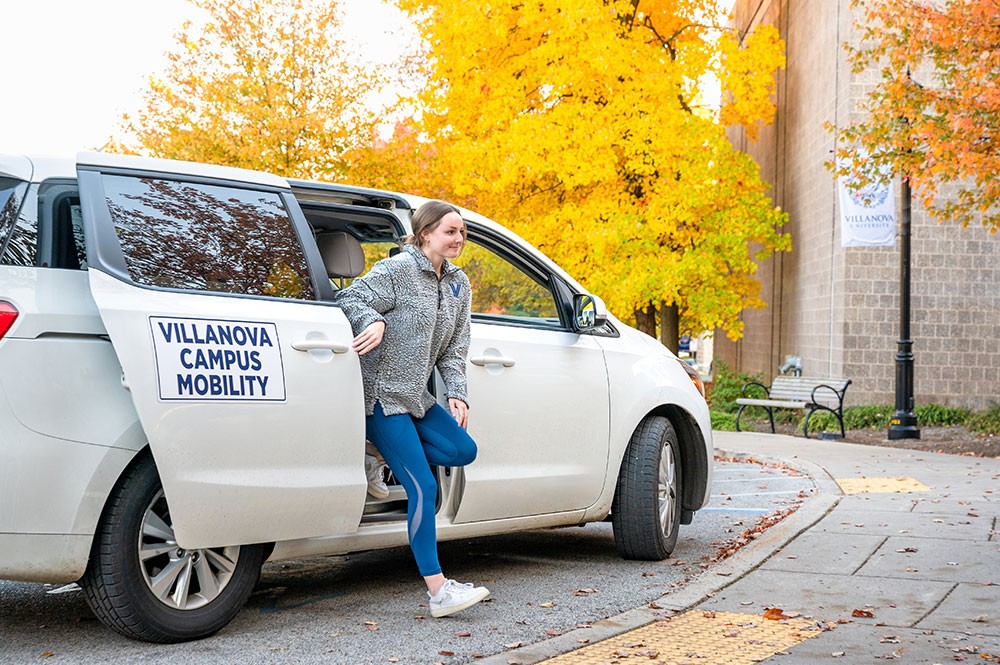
[838, 307]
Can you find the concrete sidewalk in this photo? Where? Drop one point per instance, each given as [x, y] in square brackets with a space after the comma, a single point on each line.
[896, 557]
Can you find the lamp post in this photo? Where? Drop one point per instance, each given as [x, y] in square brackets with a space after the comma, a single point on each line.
[904, 422]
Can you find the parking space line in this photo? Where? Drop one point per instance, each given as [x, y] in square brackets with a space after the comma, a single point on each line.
[796, 491]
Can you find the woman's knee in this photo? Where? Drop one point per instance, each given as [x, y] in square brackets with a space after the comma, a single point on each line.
[465, 452]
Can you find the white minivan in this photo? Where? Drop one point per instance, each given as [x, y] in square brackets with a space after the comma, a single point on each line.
[179, 401]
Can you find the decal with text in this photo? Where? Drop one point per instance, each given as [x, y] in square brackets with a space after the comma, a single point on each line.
[208, 359]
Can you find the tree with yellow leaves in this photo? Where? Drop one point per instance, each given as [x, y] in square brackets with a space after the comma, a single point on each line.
[935, 115]
[582, 126]
[259, 84]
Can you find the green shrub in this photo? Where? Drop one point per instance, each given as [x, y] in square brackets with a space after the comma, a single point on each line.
[944, 416]
[878, 416]
[725, 387]
[725, 422]
[986, 423]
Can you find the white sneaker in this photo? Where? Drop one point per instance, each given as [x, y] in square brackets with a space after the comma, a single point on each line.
[454, 597]
[375, 470]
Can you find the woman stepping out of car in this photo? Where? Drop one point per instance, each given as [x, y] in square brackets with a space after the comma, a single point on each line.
[410, 313]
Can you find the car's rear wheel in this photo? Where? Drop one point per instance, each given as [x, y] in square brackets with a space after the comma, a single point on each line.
[646, 512]
[143, 585]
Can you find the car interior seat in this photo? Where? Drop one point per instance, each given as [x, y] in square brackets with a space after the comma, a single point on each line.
[342, 256]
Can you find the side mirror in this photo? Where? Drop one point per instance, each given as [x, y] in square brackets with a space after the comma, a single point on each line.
[589, 312]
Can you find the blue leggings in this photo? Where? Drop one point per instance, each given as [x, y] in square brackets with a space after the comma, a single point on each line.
[410, 446]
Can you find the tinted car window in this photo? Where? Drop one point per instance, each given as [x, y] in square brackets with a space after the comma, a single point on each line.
[501, 290]
[18, 224]
[207, 237]
[60, 224]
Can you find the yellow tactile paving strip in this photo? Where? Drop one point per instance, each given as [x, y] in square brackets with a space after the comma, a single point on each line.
[697, 637]
[863, 485]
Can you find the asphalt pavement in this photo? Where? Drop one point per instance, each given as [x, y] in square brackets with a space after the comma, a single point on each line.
[370, 607]
[887, 554]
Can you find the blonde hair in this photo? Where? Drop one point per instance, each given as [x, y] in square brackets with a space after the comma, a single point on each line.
[427, 218]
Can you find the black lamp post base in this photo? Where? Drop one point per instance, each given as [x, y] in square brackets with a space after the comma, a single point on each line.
[903, 426]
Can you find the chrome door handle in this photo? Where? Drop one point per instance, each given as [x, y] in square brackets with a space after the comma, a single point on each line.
[320, 345]
[492, 360]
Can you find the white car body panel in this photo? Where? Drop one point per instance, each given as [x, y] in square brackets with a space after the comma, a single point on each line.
[645, 375]
[534, 458]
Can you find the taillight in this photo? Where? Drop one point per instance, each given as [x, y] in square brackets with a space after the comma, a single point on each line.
[8, 314]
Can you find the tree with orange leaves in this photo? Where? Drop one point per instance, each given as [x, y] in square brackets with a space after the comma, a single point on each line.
[935, 115]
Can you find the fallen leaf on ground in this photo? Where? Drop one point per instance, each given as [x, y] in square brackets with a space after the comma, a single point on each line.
[654, 606]
[650, 574]
[553, 633]
[446, 653]
[708, 615]
[584, 592]
[583, 640]
[867, 614]
[462, 633]
[546, 604]
[513, 645]
[775, 614]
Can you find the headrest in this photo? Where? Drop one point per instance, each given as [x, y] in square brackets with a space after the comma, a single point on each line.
[342, 254]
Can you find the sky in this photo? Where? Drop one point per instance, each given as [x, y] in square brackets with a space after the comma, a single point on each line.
[72, 67]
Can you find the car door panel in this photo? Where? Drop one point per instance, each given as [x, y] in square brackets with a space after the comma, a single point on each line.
[252, 405]
[540, 420]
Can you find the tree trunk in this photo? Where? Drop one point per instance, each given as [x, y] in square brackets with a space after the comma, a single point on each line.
[645, 320]
[670, 322]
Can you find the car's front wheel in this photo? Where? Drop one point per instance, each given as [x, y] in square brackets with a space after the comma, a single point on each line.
[646, 512]
[143, 585]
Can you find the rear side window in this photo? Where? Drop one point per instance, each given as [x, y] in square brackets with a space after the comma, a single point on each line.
[18, 235]
[207, 237]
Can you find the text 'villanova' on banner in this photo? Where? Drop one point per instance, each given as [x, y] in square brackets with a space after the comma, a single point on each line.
[867, 215]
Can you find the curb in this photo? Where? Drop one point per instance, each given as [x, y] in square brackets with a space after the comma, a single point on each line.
[708, 583]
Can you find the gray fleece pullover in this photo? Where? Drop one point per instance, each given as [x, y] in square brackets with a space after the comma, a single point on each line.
[426, 326]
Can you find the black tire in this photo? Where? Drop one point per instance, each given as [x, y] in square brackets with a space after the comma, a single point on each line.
[117, 584]
[646, 512]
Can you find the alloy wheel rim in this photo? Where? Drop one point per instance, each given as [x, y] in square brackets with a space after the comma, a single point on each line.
[667, 490]
[180, 579]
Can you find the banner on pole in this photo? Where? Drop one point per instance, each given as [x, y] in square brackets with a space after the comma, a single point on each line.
[867, 215]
